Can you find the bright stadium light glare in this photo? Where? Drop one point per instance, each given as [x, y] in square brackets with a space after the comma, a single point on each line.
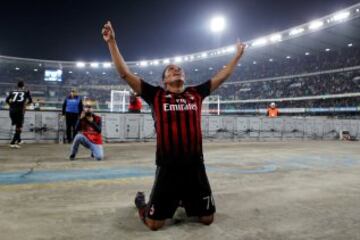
[17, 68]
[70, 72]
[166, 61]
[307, 53]
[296, 31]
[155, 62]
[217, 24]
[275, 38]
[271, 60]
[259, 42]
[350, 45]
[80, 64]
[94, 65]
[231, 49]
[35, 69]
[341, 16]
[204, 55]
[316, 25]
[106, 65]
[288, 57]
[327, 50]
[144, 64]
[178, 59]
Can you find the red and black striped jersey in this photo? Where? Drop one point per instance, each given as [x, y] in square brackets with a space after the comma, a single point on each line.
[177, 120]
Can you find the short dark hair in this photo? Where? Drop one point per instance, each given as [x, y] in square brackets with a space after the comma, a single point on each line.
[20, 84]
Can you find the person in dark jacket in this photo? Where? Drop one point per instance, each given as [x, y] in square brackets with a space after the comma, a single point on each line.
[71, 109]
[89, 134]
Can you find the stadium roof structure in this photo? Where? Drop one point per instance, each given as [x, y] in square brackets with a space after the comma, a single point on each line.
[338, 30]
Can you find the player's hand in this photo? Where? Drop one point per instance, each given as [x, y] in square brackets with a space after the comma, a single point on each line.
[108, 32]
[82, 115]
[240, 48]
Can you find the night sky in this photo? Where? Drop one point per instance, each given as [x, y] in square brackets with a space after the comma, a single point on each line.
[145, 29]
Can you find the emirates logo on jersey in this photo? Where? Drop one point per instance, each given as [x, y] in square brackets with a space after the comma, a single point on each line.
[180, 105]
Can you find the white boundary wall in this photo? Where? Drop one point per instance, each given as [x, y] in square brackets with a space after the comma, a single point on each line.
[48, 126]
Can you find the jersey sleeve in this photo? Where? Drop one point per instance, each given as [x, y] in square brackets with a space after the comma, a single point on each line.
[7, 100]
[203, 89]
[148, 92]
[28, 96]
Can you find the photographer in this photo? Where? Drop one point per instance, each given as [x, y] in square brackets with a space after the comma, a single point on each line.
[89, 134]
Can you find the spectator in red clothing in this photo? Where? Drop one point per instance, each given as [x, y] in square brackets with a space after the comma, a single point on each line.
[135, 104]
[89, 134]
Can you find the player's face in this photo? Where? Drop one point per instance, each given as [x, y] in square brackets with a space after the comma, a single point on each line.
[174, 78]
[87, 108]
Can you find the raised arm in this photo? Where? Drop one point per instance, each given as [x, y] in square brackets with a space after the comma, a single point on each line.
[222, 75]
[120, 64]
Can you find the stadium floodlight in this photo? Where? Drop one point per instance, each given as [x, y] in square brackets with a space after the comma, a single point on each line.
[94, 64]
[191, 57]
[357, 10]
[144, 64]
[106, 65]
[178, 59]
[217, 24]
[204, 55]
[271, 60]
[166, 61]
[288, 57]
[17, 68]
[327, 50]
[231, 49]
[341, 16]
[259, 42]
[316, 25]
[35, 69]
[186, 58]
[307, 53]
[155, 62]
[196, 70]
[80, 64]
[350, 45]
[275, 38]
[296, 31]
[70, 72]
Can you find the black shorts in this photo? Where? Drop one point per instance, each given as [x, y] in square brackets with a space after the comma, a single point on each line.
[17, 118]
[187, 186]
